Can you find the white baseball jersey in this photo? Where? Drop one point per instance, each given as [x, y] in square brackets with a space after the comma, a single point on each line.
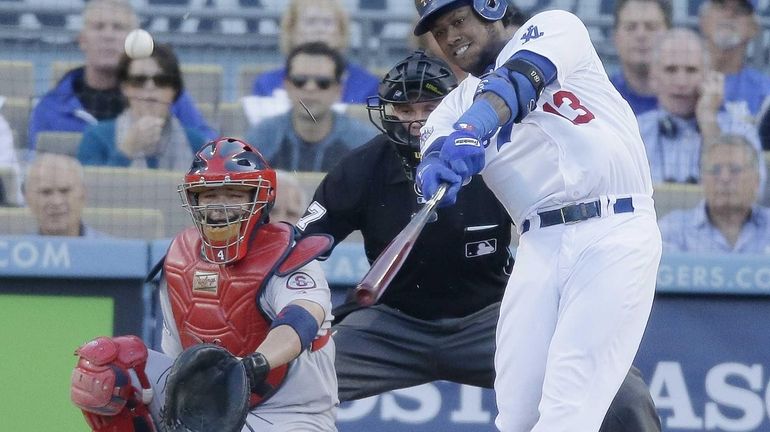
[311, 384]
[581, 142]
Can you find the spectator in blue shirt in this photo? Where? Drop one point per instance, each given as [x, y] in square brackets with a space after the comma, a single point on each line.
[145, 134]
[311, 136]
[90, 93]
[728, 26]
[729, 219]
[318, 21]
[688, 117]
[639, 24]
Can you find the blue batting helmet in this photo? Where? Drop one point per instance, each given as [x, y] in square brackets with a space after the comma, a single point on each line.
[428, 10]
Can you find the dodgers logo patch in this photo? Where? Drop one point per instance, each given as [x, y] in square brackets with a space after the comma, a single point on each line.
[300, 280]
[426, 133]
[480, 248]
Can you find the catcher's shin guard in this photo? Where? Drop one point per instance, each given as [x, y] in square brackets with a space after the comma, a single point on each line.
[101, 385]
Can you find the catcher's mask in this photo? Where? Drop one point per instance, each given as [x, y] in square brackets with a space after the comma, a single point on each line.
[417, 78]
[226, 228]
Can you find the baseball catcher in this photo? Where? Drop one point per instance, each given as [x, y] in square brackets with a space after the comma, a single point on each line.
[246, 342]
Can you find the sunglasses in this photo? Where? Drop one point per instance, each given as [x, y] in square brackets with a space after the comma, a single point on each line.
[323, 83]
[161, 80]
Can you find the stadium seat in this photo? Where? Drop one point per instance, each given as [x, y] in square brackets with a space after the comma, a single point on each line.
[309, 181]
[358, 112]
[138, 188]
[66, 143]
[232, 120]
[203, 82]
[208, 110]
[18, 79]
[59, 68]
[676, 196]
[247, 73]
[16, 112]
[10, 181]
[119, 222]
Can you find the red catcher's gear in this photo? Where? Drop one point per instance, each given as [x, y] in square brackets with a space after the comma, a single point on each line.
[101, 385]
[220, 303]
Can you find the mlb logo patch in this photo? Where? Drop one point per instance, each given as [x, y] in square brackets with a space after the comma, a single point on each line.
[300, 280]
[480, 248]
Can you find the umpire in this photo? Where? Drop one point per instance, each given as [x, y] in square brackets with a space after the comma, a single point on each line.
[437, 319]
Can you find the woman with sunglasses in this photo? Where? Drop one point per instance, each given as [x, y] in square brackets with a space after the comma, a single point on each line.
[145, 134]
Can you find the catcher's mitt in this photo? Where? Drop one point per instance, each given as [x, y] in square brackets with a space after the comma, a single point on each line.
[207, 390]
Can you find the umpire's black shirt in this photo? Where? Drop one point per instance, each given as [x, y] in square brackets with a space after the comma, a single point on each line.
[458, 264]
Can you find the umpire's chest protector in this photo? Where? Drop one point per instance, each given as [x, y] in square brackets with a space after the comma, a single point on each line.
[220, 304]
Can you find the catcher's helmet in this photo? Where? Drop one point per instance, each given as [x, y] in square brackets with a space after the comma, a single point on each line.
[417, 78]
[428, 10]
[228, 162]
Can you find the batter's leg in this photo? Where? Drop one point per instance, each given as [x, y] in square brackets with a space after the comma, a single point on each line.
[605, 303]
[380, 349]
[527, 320]
[633, 409]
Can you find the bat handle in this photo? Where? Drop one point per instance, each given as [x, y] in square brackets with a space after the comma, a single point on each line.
[437, 196]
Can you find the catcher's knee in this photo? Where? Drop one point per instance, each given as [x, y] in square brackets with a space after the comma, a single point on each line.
[101, 385]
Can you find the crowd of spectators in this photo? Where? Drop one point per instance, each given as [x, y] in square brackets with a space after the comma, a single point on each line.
[691, 87]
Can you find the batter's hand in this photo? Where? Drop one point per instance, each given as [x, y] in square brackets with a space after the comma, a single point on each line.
[463, 152]
[433, 171]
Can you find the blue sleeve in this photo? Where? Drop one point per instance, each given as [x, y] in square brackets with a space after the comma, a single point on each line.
[266, 82]
[35, 126]
[98, 146]
[547, 68]
[267, 135]
[195, 139]
[184, 109]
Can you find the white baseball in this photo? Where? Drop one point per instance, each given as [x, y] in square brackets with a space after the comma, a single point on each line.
[139, 44]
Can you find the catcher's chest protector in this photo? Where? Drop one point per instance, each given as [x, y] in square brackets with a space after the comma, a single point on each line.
[219, 304]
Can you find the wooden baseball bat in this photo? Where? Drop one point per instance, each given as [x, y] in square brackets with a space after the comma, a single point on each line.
[385, 267]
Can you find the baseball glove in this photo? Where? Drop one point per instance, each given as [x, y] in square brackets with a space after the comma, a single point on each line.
[207, 390]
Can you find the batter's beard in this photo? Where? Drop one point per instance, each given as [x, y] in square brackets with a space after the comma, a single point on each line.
[489, 53]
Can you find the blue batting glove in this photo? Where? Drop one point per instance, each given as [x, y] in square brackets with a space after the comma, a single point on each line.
[463, 151]
[433, 171]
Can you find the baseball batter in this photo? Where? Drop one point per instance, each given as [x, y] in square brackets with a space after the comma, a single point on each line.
[561, 150]
[241, 283]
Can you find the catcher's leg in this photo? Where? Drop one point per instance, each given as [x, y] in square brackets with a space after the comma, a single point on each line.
[102, 385]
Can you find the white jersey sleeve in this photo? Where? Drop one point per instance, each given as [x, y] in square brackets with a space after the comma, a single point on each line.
[557, 35]
[307, 283]
[170, 342]
[441, 121]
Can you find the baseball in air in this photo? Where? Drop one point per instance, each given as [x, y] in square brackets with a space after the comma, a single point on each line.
[139, 44]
